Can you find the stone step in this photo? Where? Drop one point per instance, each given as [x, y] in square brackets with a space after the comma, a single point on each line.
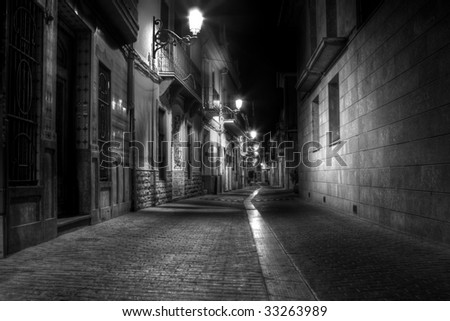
[69, 224]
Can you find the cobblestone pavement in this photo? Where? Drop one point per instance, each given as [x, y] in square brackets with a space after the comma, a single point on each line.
[211, 248]
[343, 257]
[196, 249]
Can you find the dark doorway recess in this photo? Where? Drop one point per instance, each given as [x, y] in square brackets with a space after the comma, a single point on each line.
[67, 184]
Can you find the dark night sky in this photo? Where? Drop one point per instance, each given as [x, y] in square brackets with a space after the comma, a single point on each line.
[259, 48]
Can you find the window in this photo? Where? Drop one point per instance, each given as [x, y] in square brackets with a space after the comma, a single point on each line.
[312, 25]
[24, 83]
[215, 95]
[165, 14]
[236, 161]
[104, 119]
[315, 120]
[205, 151]
[331, 13]
[189, 150]
[365, 8]
[162, 153]
[333, 110]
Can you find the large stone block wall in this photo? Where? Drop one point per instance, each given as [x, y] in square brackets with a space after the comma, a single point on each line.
[394, 80]
[145, 189]
[194, 185]
[151, 190]
[163, 188]
[178, 184]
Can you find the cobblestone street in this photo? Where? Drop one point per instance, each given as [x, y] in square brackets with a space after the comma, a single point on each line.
[192, 250]
[346, 258]
[214, 247]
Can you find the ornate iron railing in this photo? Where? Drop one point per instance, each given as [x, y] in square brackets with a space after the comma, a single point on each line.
[176, 62]
[24, 79]
[104, 118]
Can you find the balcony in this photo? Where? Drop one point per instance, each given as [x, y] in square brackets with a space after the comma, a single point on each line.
[175, 64]
[209, 96]
[236, 125]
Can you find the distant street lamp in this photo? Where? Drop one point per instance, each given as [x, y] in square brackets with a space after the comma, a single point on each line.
[238, 103]
[253, 134]
[162, 37]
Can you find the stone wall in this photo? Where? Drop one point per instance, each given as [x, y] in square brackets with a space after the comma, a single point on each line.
[394, 80]
[194, 185]
[145, 189]
[150, 190]
[163, 188]
[178, 183]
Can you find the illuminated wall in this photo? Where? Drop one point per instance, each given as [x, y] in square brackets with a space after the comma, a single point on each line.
[393, 121]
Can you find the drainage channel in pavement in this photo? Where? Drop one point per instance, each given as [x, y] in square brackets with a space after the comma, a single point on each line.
[283, 279]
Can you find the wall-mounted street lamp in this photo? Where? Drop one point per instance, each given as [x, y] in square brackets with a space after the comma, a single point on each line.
[238, 104]
[162, 37]
[221, 106]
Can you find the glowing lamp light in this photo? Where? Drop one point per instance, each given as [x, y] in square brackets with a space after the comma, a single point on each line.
[253, 134]
[238, 103]
[195, 21]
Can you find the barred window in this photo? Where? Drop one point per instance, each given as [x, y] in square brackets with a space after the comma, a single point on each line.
[104, 119]
[24, 84]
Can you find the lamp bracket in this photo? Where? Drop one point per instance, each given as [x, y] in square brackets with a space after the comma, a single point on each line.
[163, 37]
[232, 111]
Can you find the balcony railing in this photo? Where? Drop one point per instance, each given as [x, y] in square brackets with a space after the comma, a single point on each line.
[209, 96]
[175, 62]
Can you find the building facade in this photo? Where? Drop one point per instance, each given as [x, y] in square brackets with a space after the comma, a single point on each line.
[281, 155]
[64, 93]
[168, 113]
[225, 125]
[372, 86]
[95, 123]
